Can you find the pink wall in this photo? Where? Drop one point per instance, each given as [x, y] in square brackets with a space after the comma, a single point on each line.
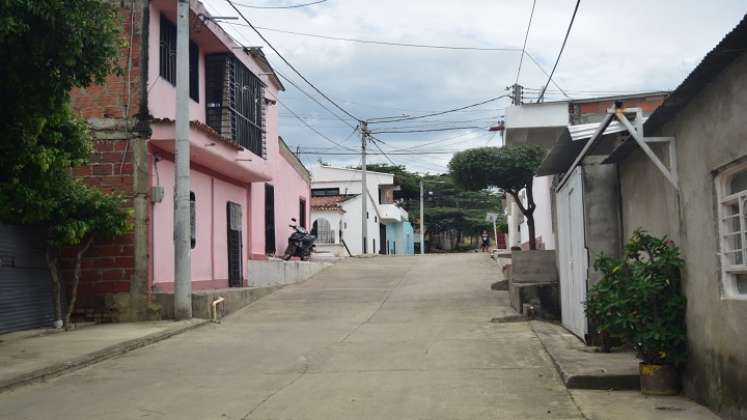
[289, 188]
[220, 173]
[209, 257]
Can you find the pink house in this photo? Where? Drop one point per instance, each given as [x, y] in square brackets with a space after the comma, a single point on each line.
[246, 184]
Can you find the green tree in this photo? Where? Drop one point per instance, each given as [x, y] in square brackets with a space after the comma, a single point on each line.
[80, 215]
[510, 168]
[47, 48]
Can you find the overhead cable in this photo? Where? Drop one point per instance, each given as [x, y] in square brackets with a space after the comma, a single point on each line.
[526, 37]
[560, 53]
[445, 112]
[290, 6]
[269, 44]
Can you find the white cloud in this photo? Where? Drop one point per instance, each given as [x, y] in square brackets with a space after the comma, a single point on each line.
[631, 46]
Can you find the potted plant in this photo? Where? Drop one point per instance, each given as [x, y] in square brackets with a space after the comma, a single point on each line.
[639, 301]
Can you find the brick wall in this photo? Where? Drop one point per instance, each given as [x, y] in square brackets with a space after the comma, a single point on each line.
[108, 266]
[110, 99]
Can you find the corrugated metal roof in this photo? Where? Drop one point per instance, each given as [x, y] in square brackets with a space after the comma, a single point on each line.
[729, 49]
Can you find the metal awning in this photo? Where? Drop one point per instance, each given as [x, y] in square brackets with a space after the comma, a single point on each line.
[634, 130]
[572, 140]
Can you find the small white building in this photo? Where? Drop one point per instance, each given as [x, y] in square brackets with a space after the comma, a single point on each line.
[336, 211]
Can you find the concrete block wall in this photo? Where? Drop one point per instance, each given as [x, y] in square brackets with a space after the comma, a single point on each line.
[277, 273]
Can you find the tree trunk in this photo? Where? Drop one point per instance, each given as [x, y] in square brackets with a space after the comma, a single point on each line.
[76, 279]
[54, 272]
[528, 213]
[532, 233]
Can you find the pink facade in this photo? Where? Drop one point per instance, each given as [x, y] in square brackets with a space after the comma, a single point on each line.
[221, 172]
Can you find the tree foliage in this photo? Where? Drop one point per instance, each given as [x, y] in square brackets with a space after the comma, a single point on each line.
[510, 168]
[48, 47]
[448, 206]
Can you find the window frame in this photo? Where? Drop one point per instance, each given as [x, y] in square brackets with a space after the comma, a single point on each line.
[724, 198]
[167, 58]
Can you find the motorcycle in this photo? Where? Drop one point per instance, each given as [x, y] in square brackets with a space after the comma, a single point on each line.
[300, 243]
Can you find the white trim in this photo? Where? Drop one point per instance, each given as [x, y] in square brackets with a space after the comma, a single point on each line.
[730, 271]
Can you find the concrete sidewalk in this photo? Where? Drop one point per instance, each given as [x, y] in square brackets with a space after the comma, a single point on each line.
[30, 356]
[581, 366]
[607, 385]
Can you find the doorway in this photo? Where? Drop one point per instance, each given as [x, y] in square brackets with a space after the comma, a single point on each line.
[235, 247]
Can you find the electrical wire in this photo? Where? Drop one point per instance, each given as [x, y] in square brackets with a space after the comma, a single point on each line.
[346, 112]
[318, 102]
[430, 130]
[443, 112]
[376, 145]
[291, 6]
[310, 127]
[560, 53]
[526, 37]
[384, 43]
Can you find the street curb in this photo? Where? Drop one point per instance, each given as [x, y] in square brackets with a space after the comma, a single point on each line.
[93, 358]
[605, 381]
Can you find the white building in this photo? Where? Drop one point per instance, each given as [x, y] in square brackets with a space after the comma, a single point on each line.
[336, 211]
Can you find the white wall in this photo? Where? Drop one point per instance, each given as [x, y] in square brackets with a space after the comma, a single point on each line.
[352, 227]
[349, 180]
[543, 223]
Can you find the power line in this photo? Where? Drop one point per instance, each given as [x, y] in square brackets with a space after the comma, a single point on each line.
[289, 64]
[377, 154]
[445, 112]
[526, 37]
[376, 145]
[308, 95]
[291, 6]
[310, 127]
[562, 47]
[536, 63]
[384, 43]
[428, 130]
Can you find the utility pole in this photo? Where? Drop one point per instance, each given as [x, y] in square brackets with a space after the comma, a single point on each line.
[517, 92]
[422, 221]
[364, 191]
[182, 260]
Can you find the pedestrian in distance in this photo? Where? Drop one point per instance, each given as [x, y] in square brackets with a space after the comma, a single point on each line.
[485, 244]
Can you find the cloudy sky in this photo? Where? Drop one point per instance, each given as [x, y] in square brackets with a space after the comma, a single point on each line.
[613, 48]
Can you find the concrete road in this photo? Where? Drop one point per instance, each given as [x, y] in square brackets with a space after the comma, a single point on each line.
[378, 338]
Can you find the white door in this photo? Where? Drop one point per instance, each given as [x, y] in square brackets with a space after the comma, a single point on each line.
[572, 259]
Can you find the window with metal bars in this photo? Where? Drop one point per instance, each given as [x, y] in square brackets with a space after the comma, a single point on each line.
[167, 59]
[234, 102]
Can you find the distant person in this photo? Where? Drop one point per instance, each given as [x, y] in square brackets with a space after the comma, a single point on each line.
[485, 245]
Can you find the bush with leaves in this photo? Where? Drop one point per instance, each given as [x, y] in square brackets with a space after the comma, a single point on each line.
[639, 299]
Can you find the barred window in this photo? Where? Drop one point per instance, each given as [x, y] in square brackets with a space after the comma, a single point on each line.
[234, 102]
[167, 59]
[732, 196]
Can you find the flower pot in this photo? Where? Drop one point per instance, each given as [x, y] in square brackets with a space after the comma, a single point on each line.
[659, 379]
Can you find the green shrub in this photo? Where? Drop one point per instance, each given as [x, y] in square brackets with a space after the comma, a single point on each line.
[639, 299]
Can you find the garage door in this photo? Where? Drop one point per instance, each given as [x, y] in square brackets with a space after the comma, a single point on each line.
[25, 287]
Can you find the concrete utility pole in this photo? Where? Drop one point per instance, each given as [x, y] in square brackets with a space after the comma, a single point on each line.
[517, 93]
[182, 260]
[422, 221]
[364, 192]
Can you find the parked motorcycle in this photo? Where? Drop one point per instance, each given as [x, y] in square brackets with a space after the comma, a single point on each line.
[300, 243]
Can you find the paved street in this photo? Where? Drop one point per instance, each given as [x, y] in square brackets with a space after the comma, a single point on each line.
[376, 338]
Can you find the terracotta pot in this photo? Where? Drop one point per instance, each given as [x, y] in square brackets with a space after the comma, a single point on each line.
[659, 379]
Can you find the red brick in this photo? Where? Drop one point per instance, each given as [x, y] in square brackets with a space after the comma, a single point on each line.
[82, 171]
[124, 262]
[102, 169]
[115, 274]
[104, 146]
